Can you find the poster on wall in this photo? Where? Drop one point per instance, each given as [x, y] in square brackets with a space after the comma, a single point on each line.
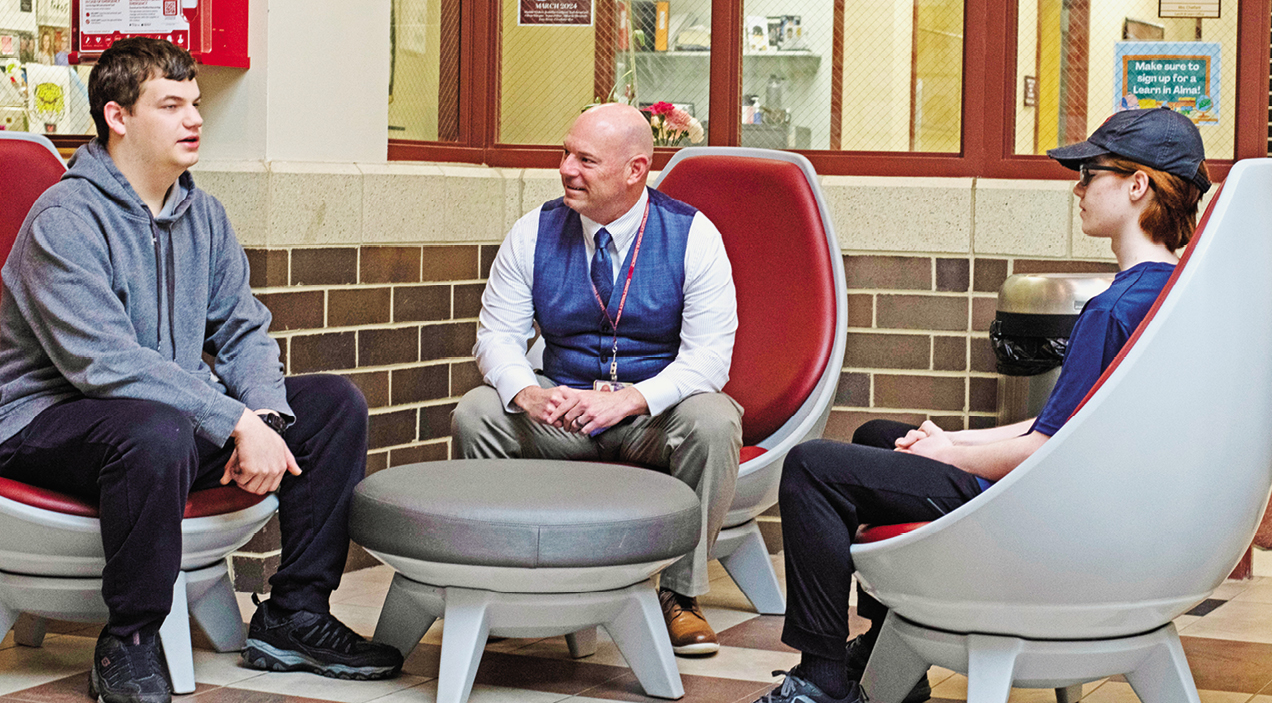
[17, 44]
[53, 45]
[1202, 9]
[48, 90]
[1183, 76]
[53, 12]
[103, 21]
[572, 13]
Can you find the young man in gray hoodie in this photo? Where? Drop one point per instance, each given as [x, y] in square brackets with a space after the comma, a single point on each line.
[123, 277]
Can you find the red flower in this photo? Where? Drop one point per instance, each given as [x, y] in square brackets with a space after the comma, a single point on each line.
[660, 108]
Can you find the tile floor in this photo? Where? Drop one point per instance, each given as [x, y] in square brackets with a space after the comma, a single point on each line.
[1228, 640]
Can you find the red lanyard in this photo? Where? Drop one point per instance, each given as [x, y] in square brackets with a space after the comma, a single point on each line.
[622, 302]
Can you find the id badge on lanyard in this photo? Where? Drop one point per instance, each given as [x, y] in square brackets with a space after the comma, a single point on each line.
[613, 384]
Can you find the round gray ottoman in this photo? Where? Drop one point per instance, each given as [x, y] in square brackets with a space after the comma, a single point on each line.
[521, 548]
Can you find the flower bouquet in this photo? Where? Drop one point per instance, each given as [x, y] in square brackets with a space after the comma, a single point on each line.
[671, 124]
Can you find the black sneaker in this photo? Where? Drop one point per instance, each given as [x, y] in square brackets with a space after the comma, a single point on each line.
[304, 641]
[131, 671]
[859, 649]
[798, 690]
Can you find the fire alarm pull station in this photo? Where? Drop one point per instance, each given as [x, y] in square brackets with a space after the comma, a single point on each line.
[213, 31]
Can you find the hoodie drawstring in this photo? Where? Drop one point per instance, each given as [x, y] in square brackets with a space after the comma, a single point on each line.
[164, 283]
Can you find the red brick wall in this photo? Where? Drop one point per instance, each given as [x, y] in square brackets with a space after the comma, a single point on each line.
[398, 321]
[918, 338]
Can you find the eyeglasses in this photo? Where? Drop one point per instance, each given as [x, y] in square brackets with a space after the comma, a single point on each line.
[1085, 172]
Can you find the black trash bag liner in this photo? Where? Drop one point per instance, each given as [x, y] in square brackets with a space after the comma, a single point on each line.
[1026, 355]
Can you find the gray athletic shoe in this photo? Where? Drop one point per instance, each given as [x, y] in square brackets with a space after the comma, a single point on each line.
[319, 643]
[795, 689]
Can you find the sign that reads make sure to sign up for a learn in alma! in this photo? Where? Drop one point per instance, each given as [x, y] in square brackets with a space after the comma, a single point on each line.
[1183, 76]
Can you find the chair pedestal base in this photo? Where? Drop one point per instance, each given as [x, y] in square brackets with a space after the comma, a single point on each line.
[29, 630]
[631, 615]
[742, 552]
[1153, 663]
[205, 593]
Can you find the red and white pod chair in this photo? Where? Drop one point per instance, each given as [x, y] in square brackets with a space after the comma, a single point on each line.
[51, 562]
[792, 323]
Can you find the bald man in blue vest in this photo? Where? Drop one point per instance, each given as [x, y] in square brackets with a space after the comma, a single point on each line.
[634, 297]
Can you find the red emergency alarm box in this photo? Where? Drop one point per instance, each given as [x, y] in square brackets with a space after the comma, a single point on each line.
[213, 31]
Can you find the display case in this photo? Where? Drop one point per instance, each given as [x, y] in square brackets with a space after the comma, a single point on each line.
[793, 114]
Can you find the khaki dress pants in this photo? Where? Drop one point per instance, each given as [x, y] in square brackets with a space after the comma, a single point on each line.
[696, 441]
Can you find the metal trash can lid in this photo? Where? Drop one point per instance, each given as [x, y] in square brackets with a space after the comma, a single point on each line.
[1050, 293]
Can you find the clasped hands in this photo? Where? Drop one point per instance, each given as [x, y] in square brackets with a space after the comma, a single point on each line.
[580, 411]
[928, 440]
[260, 458]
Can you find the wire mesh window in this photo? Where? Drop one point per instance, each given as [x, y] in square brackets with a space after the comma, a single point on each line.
[40, 91]
[424, 42]
[846, 78]
[1078, 61]
[859, 76]
[556, 61]
[889, 80]
[663, 55]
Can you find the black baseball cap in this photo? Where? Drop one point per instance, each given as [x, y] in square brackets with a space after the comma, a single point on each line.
[1159, 138]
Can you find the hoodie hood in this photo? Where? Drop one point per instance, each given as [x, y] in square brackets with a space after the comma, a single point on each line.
[92, 163]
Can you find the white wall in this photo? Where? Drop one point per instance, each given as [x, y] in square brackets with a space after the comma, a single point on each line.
[317, 89]
[233, 104]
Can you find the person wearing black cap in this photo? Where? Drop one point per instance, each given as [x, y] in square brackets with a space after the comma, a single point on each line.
[1142, 174]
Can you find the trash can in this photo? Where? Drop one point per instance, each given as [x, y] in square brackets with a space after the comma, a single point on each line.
[1030, 335]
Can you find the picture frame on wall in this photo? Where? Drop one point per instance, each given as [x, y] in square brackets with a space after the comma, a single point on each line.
[52, 45]
[1029, 92]
[10, 44]
[17, 44]
[1140, 30]
[756, 33]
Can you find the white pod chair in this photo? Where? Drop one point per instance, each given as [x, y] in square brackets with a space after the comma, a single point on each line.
[1073, 566]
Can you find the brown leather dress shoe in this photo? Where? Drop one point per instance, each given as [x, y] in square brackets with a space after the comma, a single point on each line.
[690, 634]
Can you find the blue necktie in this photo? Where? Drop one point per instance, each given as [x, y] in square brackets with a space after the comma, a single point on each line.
[603, 267]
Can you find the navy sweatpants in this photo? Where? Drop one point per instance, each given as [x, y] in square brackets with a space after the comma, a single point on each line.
[139, 459]
[828, 490]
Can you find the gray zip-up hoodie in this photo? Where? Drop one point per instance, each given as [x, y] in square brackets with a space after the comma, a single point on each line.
[103, 300]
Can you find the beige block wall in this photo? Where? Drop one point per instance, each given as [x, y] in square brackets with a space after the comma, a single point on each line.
[286, 204]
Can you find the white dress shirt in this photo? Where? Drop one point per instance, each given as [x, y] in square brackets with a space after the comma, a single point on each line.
[707, 327]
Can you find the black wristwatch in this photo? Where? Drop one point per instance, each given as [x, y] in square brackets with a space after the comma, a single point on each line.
[275, 422]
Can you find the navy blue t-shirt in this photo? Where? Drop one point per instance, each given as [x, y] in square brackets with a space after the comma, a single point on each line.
[1106, 322]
